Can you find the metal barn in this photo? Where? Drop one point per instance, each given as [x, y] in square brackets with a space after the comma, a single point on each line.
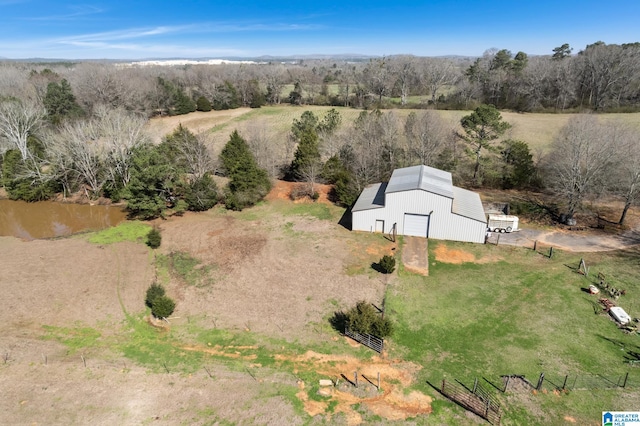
[421, 201]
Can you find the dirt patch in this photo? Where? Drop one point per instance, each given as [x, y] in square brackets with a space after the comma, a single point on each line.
[280, 276]
[415, 255]
[282, 190]
[446, 255]
[67, 281]
[389, 402]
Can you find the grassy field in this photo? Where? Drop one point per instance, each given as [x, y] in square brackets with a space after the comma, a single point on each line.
[514, 311]
[538, 130]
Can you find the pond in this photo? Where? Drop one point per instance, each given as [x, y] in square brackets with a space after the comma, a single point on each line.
[48, 219]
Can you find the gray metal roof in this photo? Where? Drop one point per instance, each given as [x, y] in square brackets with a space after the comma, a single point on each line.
[371, 198]
[467, 204]
[421, 177]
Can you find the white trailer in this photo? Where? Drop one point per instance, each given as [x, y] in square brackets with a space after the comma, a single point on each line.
[502, 223]
[620, 315]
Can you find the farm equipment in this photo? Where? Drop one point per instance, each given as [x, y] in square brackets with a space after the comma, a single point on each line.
[502, 223]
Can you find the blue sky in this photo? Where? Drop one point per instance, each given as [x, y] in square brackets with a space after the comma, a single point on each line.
[214, 29]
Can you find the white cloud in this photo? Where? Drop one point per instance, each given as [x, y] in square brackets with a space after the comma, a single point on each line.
[127, 34]
[76, 12]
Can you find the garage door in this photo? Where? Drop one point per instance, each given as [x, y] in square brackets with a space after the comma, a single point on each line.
[416, 225]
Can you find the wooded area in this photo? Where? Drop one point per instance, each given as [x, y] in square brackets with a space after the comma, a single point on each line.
[69, 127]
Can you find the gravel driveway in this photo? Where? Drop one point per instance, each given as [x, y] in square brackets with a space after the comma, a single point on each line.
[588, 240]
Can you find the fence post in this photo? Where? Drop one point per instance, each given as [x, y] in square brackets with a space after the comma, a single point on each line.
[540, 380]
[475, 385]
[626, 376]
[564, 385]
[535, 245]
[355, 375]
[550, 252]
[506, 385]
[443, 380]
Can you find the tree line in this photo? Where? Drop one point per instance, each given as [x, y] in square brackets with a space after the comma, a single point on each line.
[600, 77]
[53, 141]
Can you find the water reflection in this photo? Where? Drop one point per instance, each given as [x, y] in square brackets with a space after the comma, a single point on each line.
[48, 219]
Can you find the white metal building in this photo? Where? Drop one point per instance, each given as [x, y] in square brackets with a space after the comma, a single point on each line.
[421, 201]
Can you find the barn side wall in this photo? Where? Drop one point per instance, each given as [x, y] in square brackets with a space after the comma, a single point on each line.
[365, 220]
[443, 224]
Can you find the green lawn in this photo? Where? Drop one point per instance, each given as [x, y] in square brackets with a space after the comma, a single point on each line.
[521, 313]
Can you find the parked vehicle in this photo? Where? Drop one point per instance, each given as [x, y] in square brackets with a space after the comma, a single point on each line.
[502, 223]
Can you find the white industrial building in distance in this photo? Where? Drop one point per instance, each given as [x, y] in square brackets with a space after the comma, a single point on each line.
[421, 201]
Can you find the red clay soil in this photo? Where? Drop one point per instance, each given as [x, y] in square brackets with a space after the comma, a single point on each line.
[282, 191]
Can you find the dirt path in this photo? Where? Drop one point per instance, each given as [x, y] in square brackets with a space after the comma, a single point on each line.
[415, 256]
[577, 241]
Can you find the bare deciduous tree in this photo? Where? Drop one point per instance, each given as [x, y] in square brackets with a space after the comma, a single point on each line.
[436, 74]
[121, 132]
[625, 177]
[269, 154]
[80, 151]
[18, 121]
[581, 155]
[404, 70]
[426, 135]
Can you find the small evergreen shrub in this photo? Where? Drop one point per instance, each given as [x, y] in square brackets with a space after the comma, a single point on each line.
[366, 319]
[154, 291]
[162, 307]
[387, 264]
[154, 239]
[203, 104]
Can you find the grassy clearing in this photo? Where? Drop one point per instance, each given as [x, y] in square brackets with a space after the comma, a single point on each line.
[318, 210]
[185, 267]
[74, 338]
[515, 312]
[126, 231]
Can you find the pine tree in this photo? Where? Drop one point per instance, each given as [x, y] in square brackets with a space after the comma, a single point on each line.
[249, 183]
[60, 102]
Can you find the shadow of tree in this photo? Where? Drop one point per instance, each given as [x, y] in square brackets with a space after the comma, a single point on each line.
[339, 321]
[376, 267]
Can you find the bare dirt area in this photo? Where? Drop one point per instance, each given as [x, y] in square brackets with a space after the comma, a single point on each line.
[65, 392]
[282, 190]
[388, 401]
[67, 281]
[415, 256]
[276, 274]
[445, 254]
